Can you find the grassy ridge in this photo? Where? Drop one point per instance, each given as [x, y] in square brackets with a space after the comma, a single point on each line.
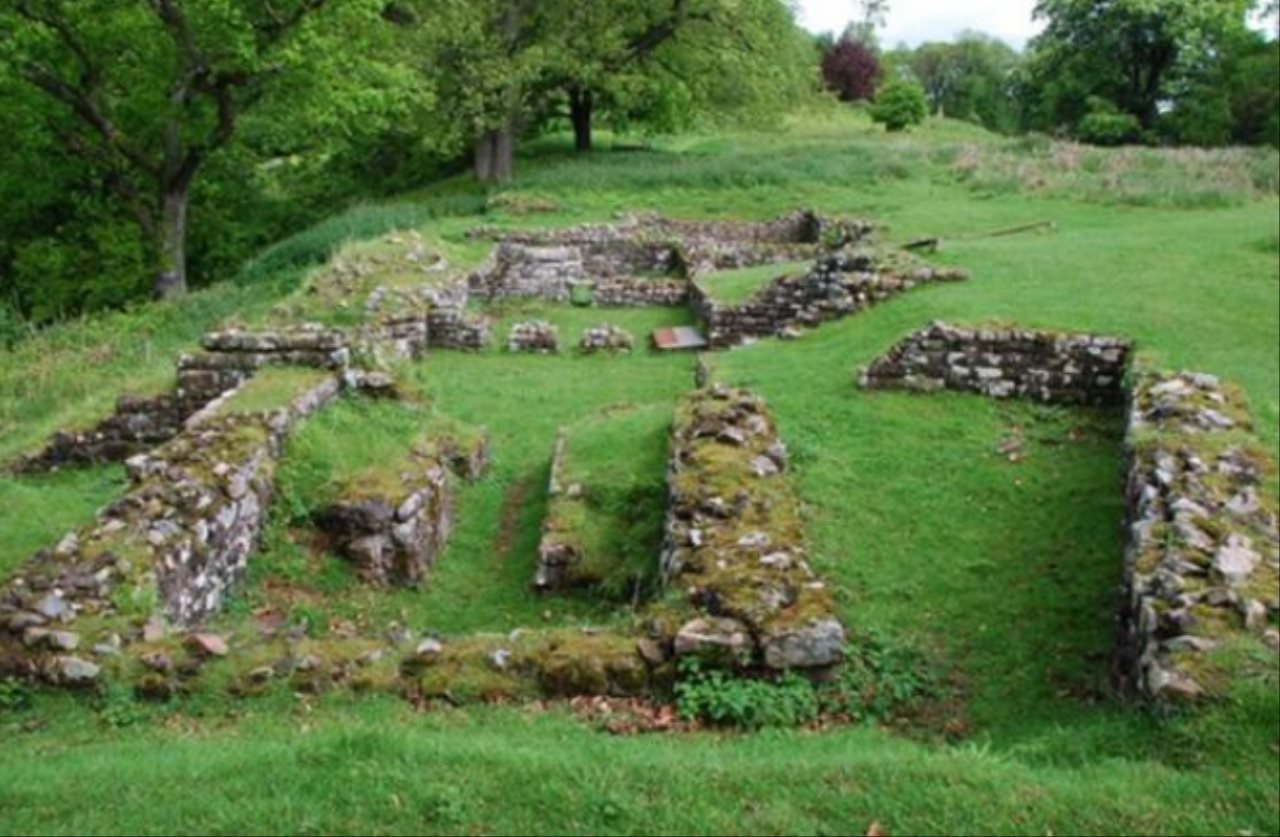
[379, 769]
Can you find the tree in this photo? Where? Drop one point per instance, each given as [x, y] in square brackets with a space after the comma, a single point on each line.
[634, 60]
[900, 105]
[852, 70]
[871, 18]
[510, 67]
[969, 79]
[143, 92]
[1138, 54]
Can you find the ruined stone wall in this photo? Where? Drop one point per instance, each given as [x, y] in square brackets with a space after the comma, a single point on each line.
[172, 547]
[615, 272]
[735, 541]
[641, 293]
[1202, 558]
[394, 539]
[557, 554]
[606, 337]
[1006, 363]
[837, 286]
[137, 425]
[537, 337]
[232, 357]
[624, 265]
[1202, 562]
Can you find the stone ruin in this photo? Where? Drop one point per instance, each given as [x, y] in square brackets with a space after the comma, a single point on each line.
[735, 541]
[1202, 565]
[645, 261]
[1201, 571]
[1202, 561]
[393, 535]
[1007, 363]
[606, 338]
[537, 338]
[172, 547]
[836, 286]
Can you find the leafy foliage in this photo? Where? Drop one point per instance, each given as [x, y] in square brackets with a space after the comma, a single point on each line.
[717, 697]
[852, 70]
[878, 681]
[900, 105]
[970, 78]
[1106, 126]
[1165, 63]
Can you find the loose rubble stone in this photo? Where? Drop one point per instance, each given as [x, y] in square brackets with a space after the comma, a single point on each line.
[77, 673]
[537, 337]
[607, 338]
[208, 645]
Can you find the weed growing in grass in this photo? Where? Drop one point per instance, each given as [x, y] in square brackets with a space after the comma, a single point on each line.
[311, 619]
[15, 696]
[118, 707]
[717, 697]
[878, 682]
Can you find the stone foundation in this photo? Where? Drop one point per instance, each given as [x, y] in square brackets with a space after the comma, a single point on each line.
[837, 286]
[1202, 560]
[1202, 564]
[647, 261]
[137, 425]
[558, 553]
[393, 539]
[1007, 363]
[171, 548]
[735, 542]
[606, 338]
[539, 337]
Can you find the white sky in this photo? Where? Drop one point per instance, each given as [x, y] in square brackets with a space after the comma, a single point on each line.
[916, 21]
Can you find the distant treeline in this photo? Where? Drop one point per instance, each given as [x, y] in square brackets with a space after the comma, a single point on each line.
[1104, 72]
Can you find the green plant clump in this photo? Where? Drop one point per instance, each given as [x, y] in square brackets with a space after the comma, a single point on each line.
[900, 105]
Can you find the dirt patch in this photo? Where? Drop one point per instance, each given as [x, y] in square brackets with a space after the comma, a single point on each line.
[513, 506]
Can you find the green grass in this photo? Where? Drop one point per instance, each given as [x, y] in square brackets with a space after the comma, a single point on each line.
[618, 461]
[1003, 573]
[380, 768]
[273, 389]
[40, 510]
[732, 287]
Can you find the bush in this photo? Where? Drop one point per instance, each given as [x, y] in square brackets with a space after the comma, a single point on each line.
[900, 105]
[851, 70]
[1106, 125]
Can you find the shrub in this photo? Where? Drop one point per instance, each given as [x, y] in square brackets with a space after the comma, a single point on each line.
[1106, 125]
[900, 105]
[851, 70]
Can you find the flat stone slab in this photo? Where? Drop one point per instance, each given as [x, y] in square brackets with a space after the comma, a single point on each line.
[679, 339]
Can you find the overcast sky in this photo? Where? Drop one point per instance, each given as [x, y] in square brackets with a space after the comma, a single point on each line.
[916, 21]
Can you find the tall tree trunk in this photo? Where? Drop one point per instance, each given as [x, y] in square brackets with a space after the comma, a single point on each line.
[504, 154]
[495, 155]
[581, 110]
[171, 277]
[484, 148]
